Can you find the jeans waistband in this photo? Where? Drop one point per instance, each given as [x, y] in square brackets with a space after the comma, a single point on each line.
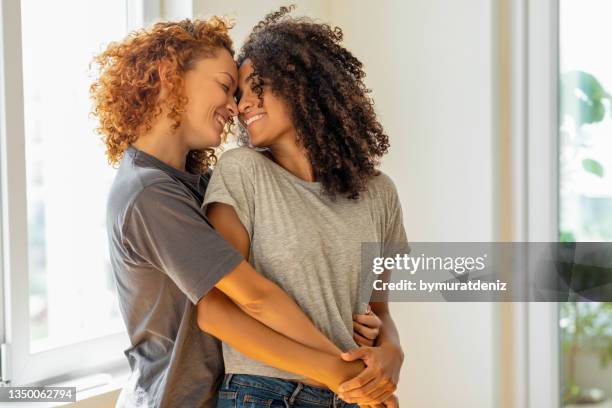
[284, 389]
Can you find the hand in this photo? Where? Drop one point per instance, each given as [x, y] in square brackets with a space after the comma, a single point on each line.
[379, 380]
[391, 402]
[342, 371]
[338, 372]
[366, 328]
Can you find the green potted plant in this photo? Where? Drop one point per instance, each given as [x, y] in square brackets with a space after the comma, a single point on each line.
[585, 326]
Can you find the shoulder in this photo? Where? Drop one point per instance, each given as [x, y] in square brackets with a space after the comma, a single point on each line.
[142, 188]
[132, 181]
[382, 184]
[242, 160]
[243, 154]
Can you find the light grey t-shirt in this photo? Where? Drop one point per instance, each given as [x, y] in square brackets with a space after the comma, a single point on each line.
[307, 243]
[165, 256]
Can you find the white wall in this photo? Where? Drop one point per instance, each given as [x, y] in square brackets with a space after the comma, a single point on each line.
[429, 64]
[249, 13]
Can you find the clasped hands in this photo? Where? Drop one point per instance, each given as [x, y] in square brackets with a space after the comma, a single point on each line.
[376, 384]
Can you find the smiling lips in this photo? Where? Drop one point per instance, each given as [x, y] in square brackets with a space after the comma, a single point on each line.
[222, 120]
[253, 118]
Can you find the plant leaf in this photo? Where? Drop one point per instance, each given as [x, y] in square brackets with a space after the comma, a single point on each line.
[581, 97]
[593, 167]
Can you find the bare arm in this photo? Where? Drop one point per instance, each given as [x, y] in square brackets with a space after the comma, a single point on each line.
[379, 380]
[259, 297]
[388, 335]
[219, 316]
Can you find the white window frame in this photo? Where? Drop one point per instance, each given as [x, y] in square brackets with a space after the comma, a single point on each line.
[19, 366]
[544, 374]
[533, 74]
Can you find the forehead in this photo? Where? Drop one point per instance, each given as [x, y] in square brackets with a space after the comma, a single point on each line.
[221, 61]
[245, 70]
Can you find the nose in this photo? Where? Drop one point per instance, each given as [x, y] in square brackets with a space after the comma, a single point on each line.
[232, 107]
[245, 104]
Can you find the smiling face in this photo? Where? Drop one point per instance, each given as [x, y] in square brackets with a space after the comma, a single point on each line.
[267, 124]
[209, 88]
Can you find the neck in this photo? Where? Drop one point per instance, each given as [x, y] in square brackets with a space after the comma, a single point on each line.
[292, 157]
[164, 144]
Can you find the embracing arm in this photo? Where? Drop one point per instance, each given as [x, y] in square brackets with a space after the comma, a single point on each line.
[259, 297]
[388, 335]
[219, 316]
[383, 360]
[165, 228]
[273, 329]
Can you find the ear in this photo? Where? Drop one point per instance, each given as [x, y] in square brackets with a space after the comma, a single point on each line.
[164, 71]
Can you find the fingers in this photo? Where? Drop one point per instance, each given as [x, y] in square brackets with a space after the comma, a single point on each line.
[384, 394]
[362, 341]
[357, 353]
[368, 390]
[362, 379]
[370, 320]
[370, 333]
[374, 392]
[391, 402]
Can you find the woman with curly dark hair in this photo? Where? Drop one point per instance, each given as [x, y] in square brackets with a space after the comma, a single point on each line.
[163, 98]
[301, 204]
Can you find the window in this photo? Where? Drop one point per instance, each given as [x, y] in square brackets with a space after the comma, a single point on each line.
[585, 187]
[55, 179]
[66, 173]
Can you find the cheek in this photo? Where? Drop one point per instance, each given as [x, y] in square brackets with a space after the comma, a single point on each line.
[279, 114]
[279, 122]
[205, 100]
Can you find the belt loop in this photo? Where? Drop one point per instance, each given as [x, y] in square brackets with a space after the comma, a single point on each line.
[227, 380]
[335, 403]
[297, 390]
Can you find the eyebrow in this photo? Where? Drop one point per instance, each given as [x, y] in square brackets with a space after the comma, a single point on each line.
[229, 75]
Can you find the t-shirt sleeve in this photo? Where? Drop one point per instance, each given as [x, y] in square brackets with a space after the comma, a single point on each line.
[395, 241]
[166, 228]
[232, 184]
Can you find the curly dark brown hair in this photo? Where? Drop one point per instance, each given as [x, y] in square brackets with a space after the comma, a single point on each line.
[125, 94]
[322, 84]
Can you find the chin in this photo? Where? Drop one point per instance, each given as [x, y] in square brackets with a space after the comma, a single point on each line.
[206, 143]
[216, 141]
[257, 141]
[212, 139]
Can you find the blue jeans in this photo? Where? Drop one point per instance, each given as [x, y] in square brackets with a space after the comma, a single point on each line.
[242, 390]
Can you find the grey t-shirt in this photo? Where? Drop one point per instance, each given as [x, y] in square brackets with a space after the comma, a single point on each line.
[307, 243]
[165, 256]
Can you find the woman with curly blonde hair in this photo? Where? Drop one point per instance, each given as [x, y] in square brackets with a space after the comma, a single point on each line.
[164, 97]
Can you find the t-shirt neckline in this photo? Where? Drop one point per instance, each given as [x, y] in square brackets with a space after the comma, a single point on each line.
[289, 174]
[191, 178]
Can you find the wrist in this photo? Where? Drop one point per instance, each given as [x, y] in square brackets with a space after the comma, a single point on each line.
[393, 348]
[336, 371]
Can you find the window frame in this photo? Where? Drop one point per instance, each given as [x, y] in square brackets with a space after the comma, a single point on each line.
[535, 170]
[527, 95]
[18, 365]
[543, 345]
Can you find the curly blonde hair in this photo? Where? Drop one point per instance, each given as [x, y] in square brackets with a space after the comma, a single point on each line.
[125, 94]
